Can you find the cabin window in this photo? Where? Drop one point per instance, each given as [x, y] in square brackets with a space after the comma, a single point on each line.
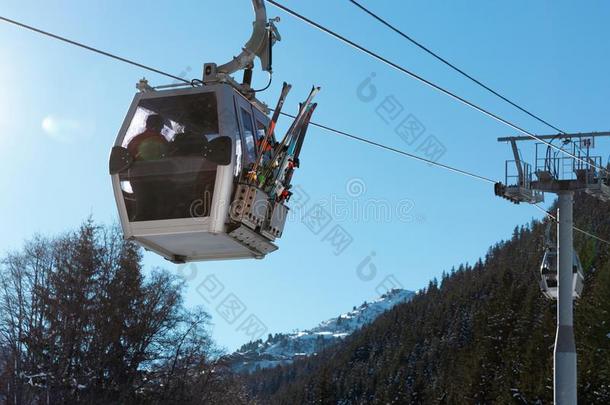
[261, 130]
[170, 178]
[246, 118]
[266, 147]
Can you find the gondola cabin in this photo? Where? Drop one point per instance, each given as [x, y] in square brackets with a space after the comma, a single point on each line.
[196, 170]
[548, 275]
[177, 168]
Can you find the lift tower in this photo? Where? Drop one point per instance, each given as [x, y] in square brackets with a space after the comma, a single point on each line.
[563, 172]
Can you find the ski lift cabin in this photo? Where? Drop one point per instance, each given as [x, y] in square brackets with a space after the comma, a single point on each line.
[196, 171]
[176, 199]
[548, 274]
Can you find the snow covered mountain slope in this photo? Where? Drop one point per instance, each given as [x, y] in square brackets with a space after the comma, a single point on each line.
[283, 348]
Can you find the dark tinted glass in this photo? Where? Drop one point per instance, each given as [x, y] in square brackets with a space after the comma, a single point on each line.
[170, 178]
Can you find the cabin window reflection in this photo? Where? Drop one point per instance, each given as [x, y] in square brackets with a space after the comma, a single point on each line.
[261, 130]
[266, 147]
[170, 178]
[246, 118]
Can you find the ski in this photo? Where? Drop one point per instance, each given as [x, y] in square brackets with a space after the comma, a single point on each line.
[299, 145]
[294, 161]
[270, 129]
[276, 162]
[283, 173]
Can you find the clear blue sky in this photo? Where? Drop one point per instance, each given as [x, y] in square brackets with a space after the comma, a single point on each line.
[61, 107]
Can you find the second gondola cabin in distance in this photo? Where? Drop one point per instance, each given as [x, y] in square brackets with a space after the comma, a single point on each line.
[548, 270]
[196, 169]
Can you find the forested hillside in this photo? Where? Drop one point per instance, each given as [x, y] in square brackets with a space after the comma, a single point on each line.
[81, 323]
[483, 334]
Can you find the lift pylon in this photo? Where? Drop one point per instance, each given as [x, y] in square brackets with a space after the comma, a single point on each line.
[563, 172]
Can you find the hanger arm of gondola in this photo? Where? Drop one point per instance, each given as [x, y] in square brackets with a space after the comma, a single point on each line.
[264, 35]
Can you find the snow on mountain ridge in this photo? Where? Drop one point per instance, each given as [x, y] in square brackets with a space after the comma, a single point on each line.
[284, 348]
[365, 313]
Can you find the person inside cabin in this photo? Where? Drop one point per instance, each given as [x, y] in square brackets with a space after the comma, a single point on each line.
[149, 181]
[150, 144]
